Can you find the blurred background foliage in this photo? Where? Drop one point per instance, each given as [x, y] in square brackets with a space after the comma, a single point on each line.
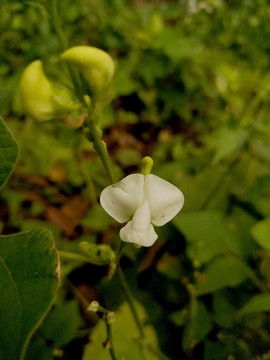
[192, 90]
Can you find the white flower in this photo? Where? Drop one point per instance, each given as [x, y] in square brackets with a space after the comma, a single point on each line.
[141, 200]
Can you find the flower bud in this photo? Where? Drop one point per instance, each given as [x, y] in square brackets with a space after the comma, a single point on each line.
[94, 306]
[110, 317]
[40, 98]
[96, 66]
[98, 254]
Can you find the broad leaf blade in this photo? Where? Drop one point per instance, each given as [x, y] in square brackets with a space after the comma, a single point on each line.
[210, 237]
[62, 324]
[257, 303]
[29, 279]
[261, 233]
[198, 325]
[8, 152]
[222, 272]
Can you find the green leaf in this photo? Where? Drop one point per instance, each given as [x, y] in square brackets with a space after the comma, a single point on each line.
[123, 83]
[62, 324]
[228, 141]
[222, 272]
[226, 348]
[210, 237]
[178, 317]
[177, 47]
[39, 350]
[257, 303]
[223, 311]
[198, 187]
[261, 233]
[198, 326]
[29, 279]
[8, 152]
[97, 219]
[124, 333]
[170, 266]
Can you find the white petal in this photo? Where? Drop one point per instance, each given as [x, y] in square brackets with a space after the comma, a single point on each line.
[127, 234]
[142, 218]
[139, 230]
[121, 200]
[165, 200]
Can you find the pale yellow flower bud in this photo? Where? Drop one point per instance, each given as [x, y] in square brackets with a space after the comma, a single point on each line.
[40, 98]
[94, 306]
[96, 66]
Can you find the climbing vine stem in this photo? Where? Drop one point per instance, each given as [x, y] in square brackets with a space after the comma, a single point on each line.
[93, 133]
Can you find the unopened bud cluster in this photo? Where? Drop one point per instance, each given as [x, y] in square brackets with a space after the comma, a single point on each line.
[43, 100]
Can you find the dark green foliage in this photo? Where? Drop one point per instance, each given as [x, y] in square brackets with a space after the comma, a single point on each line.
[192, 90]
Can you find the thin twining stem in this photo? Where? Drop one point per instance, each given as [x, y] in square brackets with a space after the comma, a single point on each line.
[130, 299]
[57, 26]
[94, 135]
[109, 341]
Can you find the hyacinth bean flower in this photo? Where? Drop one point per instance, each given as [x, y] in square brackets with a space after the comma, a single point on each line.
[141, 200]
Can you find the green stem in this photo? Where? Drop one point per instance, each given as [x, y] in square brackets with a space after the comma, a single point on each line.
[93, 134]
[129, 297]
[72, 256]
[90, 185]
[130, 300]
[119, 251]
[257, 282]
[248, 119]
[78, 295]
[109, 339]
[56, 24]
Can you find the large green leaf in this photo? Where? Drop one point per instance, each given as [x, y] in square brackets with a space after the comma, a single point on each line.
[261, 233]
[29, 279]
[39, 350]
[228, 142]
[198, 325]
[62, 324]
[8, 153]
[207, 234]
[257, 303]
[227, 347]
[223, 310]
[222, 272]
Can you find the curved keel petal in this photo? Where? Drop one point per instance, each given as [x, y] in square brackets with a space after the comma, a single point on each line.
[147, 238]
[139, 230]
